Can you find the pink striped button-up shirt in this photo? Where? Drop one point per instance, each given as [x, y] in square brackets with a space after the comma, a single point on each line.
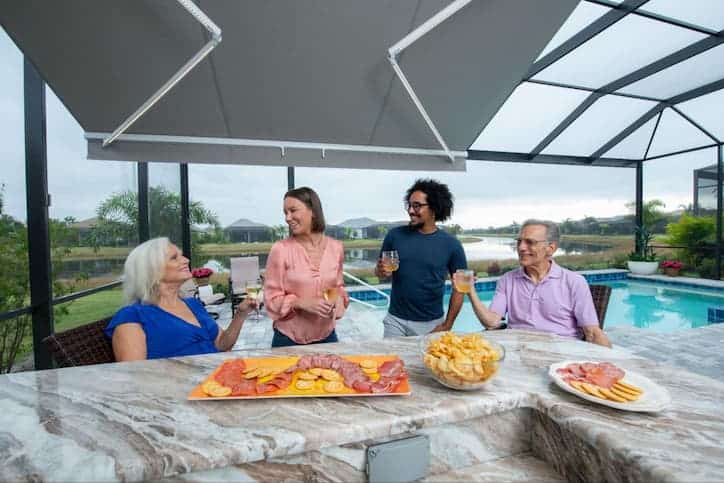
[290, 275]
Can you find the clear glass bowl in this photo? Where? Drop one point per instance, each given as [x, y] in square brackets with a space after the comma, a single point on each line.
[467, 372]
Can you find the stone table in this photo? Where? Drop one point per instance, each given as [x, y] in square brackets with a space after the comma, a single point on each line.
[131, 421]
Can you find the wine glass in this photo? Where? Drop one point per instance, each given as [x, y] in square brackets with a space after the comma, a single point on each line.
[390, 260]
[253, 289]
[330, 294]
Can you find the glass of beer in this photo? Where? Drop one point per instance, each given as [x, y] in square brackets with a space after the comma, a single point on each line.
[464, 280]
[253, 289]
[390, 260]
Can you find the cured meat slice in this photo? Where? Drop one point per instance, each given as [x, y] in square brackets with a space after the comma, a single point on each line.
[244, 388]
[362, 386]
[391, 368]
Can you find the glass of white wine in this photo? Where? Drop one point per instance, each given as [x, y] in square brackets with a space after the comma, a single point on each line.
[253, 289]
[464, 280]
[390, 260]
[330, 294]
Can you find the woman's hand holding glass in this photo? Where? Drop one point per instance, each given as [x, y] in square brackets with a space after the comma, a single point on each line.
[253, 290]
[246, 306]
[315, 305]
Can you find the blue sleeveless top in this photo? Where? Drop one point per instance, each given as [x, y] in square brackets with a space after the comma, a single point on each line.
[166, 334]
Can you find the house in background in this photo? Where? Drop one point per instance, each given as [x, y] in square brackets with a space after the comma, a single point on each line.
[243, 230]
[83, 228]
[362, 228]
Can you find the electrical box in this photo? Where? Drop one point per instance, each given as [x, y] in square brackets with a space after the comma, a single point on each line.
[401, 460]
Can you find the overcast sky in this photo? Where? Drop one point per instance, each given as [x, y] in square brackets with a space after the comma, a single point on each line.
[487, 194]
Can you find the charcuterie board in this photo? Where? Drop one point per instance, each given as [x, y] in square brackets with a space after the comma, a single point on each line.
[314, 375]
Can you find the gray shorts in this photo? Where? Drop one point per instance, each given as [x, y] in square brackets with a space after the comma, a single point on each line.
[397, 327]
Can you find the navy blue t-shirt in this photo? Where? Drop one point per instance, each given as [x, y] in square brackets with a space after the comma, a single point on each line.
[418, 285]
[168, 335]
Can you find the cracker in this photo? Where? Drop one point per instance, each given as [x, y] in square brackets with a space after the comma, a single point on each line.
[611, 395]
[333, 386]
[368, 364]
[304, 385]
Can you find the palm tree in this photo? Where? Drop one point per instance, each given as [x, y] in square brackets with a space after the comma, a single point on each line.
[118, 217]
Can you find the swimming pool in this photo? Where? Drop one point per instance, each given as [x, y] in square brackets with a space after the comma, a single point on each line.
[646, 305]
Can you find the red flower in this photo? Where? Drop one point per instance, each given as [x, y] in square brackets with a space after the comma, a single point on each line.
[201, 272]
[671, 264]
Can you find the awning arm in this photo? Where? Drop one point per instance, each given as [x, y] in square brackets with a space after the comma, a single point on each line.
[215, 32]
[409, 39]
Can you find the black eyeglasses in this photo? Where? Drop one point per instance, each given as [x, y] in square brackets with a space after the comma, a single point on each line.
[415, 206]
[528, 241]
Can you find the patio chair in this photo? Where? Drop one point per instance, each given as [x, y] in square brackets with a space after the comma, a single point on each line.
[81, 346]
[243, 269]
[600, 294]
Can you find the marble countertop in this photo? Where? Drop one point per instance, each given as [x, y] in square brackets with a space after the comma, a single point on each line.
[132, 421]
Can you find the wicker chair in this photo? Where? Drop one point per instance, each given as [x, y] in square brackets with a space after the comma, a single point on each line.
[600, 294]
[81, 346]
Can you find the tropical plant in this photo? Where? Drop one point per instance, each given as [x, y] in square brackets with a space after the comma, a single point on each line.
[643, 242]
[696, 235]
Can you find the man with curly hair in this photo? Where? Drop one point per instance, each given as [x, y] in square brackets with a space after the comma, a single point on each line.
[427, 254]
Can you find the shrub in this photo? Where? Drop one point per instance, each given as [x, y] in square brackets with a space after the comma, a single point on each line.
[493, 269]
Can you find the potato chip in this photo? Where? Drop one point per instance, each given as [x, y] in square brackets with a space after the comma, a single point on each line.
[462, 360]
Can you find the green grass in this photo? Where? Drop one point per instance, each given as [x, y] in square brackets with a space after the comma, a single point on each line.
[79, 312]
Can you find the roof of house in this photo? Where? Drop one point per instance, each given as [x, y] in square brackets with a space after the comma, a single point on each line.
[359, 223]
[87, 223]
[247, 224]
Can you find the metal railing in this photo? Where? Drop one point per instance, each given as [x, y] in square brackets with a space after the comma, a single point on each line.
[374, 289]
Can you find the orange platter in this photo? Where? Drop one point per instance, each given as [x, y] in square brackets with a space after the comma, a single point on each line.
[315, 375]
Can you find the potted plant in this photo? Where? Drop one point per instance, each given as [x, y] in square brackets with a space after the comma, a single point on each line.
[671, 267]
[201, 275]
[643, 262]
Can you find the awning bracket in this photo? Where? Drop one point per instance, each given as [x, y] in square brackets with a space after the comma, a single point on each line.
[409, 39]
[215, 32]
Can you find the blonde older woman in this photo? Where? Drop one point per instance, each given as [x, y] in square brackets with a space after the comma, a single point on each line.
[156, 321]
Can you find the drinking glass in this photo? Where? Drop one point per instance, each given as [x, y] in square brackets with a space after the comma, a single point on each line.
[253, 289]
[330, 294]
[390, 260]
[463, 280]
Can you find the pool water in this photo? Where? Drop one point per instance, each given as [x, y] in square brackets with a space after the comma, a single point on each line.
[661, 308]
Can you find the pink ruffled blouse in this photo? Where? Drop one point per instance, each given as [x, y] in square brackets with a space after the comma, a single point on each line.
[290, 275]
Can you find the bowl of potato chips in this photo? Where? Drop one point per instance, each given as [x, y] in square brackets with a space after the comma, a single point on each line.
[463, 361]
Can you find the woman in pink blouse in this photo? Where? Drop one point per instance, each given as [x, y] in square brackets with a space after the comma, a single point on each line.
[300, 271]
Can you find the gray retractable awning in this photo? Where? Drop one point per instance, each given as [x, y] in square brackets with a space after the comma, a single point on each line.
[304, 83]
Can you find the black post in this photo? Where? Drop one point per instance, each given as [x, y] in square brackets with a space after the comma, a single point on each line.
[639, 202]
[185, 223]
[290, 177]
[38, 200]
[144, 229]
[719, 179]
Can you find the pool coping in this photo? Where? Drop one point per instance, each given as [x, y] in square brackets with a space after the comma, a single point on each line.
[591, 276]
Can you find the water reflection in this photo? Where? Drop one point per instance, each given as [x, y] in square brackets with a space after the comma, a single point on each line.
[487, 248]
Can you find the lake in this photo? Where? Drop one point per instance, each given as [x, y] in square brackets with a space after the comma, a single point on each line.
[487, 248]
